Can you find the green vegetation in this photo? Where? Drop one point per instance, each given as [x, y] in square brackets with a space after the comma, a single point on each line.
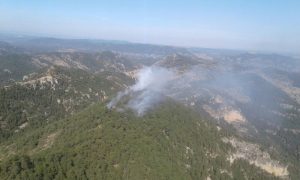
[54, 124]
[14, 66]
[70, 90]
[170, 142]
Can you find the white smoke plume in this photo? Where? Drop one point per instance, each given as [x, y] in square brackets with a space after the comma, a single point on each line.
[151, 83]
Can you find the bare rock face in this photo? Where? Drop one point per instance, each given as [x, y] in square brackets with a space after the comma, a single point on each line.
[252, 153]
[284, 84]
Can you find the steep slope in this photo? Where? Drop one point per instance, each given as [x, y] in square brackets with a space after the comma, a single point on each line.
[183, 62]
[14, 66]
[53, 94]
[171, 142]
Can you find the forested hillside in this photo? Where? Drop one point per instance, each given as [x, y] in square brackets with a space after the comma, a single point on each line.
[52, 95]
[69, 109]
[171, 142]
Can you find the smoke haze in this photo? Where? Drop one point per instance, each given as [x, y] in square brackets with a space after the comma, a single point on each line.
[150, 85]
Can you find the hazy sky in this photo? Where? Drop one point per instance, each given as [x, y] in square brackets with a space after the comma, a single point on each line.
[244, 24]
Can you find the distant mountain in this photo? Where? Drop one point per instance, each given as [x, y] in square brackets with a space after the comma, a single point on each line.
[88, 45]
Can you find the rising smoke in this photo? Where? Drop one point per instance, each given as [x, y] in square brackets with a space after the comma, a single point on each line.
[151, 84]
[218, 89]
